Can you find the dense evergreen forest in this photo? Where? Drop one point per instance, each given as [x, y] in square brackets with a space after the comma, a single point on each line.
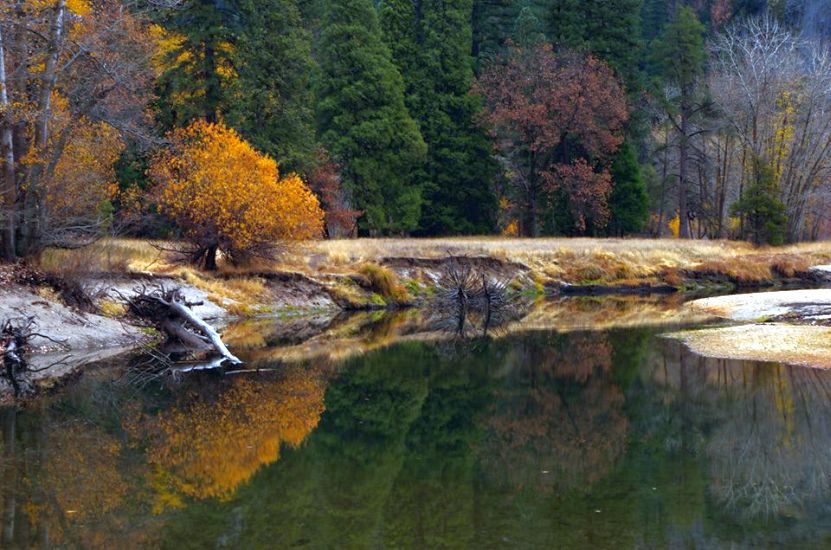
[702, 119]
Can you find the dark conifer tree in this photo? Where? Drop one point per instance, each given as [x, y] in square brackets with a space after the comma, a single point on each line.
[198, 77]
[275, 107]
[431, 44]
[363, 121]
[629, 202]
[610, 29]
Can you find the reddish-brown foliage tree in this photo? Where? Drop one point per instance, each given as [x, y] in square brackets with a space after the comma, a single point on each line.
[558, 118]
[325, 182]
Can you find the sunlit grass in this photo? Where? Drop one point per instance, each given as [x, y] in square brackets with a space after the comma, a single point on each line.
[579, 260]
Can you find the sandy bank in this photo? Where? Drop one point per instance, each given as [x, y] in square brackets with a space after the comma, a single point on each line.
[805, 345]
[805, 305]
[799, 334]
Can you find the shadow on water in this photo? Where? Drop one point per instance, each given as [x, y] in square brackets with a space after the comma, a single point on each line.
[549, 435]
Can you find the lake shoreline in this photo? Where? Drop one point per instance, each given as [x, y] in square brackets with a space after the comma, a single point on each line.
[792, 327]
[377, 279]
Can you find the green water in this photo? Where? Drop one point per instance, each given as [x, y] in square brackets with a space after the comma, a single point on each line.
[608, 439]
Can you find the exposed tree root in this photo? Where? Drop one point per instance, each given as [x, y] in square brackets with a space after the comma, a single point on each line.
[168, 311]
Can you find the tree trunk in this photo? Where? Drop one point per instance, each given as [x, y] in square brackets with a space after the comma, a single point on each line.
[8, 187]
[33, 200]
[531, 228]
[683, 158]
[210, 257]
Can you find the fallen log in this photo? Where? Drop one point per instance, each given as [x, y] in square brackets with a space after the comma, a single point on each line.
[170, 313]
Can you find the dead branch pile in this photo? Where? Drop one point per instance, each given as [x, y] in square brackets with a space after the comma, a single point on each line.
[467, 300]
[168, 311]
[14, 347]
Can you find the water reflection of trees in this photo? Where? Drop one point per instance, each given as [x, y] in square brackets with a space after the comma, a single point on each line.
[557, 411]
[205, 447]
[768, 433]
[94, 466]
[515, 441]
[62, 483]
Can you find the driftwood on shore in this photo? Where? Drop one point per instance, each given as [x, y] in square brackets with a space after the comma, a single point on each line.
[169, 311]
[15, 345]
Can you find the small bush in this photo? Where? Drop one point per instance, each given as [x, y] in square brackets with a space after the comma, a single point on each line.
[790, 266]
[385, 282]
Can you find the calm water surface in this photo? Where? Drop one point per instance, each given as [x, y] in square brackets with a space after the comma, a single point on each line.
[589, 439]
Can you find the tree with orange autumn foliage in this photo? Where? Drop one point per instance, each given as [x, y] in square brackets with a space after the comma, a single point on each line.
[225, 196]
[73, 76]
[558, 119]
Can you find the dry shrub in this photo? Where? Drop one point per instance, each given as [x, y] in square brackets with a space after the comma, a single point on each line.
[742, 270]
[385, 282]
[238, 309]
[586, 270]
[671, 277]
[790, 265]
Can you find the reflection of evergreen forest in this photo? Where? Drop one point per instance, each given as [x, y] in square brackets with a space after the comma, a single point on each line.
[541, 440]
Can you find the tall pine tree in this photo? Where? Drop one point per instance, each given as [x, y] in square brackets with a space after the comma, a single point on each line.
[363, 121]
[274, 109]
[680, 56]
[198, 61]
[431, 44]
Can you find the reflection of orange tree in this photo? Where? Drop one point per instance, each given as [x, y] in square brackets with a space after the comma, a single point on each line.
[560, 413]
[74, 488]
[205, 449]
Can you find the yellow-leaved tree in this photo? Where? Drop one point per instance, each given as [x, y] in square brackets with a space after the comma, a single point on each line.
[225, 196]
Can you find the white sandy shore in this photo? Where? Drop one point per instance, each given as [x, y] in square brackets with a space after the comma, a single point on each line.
[803, 343]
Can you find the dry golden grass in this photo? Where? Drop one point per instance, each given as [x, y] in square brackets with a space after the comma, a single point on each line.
[385, 282]
[578, 260]
[107, 255]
